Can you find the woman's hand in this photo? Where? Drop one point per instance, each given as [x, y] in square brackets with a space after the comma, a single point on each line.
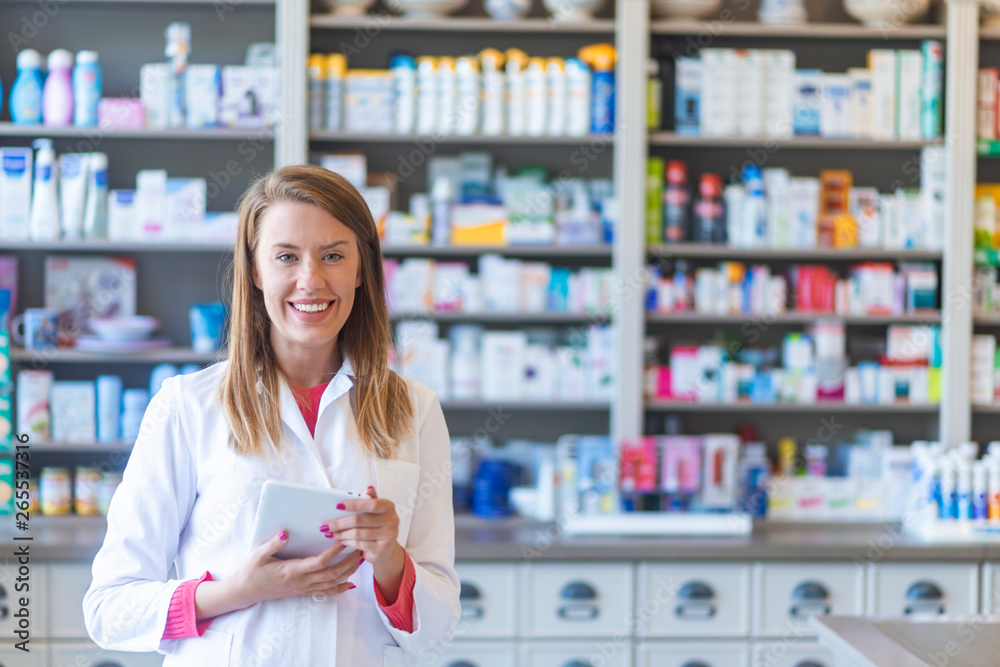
[373, 530]
[265, 577]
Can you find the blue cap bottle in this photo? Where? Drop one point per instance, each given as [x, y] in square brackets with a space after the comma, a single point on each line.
[26, 95]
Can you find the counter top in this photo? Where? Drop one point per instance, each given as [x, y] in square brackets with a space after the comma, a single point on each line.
[520, 540]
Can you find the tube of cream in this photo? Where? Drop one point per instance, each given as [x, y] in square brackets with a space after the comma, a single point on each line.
[73, 169]
[95, 217]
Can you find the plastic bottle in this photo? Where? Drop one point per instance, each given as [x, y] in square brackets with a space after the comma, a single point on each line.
[755, 471]
[404, 79]
[441, 198]
[73, 179]
[754, 223]
[535, 98]
[427, 96]
[316, 75]
[95, 215]
[980, 492]
[735, 197]
[490, 64]
[517, 60]
[26, 94]
[467, 111]
[557, 99]
[447, 89]
[965, 492]
[57, 94]
[87, 85]
[601, 58]
[676, 202]
[336, 69]
[683, 290]
[578, 84]
[709, 211]
[44, 222]
[178, 36]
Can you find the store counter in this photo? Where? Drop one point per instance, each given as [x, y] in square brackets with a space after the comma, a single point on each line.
[871, 642]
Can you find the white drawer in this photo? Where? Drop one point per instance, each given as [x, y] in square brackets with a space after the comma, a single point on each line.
[489, 600]
[784, 654]
[576, 600]
[694, 600]
[67, 585]
[693, 654]
[31, 586]
[786, 594]
[37, 657]
[474, 654]
[898, 589]
[606, 653]
[91, 655]
[991, 588]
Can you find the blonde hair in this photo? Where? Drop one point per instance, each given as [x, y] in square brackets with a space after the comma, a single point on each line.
[384, 412]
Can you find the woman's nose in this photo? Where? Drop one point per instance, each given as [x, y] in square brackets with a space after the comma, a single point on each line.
[309, 274]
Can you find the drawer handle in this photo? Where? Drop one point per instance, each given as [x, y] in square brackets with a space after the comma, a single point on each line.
[695, 611]
[695, 663]
[577, 663]
[579, 612]
[804, 611]
[469, 592]
[924, 609]
[472, 612]
[4, 611]
[461, 663]
[578, 590]
[810, 590]
[696, 590]
[923, 591]
[108, 664]
[810, 663]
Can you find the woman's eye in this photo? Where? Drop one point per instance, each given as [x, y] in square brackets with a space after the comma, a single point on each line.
[285, 257]
[332, 256]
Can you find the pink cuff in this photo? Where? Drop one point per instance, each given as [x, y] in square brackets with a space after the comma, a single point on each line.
[182, 620]
[400, 612]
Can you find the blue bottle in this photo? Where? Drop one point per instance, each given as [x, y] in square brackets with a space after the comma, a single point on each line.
[26, 95]
[86, 89]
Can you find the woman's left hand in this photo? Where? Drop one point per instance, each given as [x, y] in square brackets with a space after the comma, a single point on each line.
[372, 530]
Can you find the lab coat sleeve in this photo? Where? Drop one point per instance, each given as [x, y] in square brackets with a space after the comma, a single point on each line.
[128, 601]
[431, 542]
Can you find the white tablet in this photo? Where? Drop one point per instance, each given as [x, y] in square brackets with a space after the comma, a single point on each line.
[301, 510]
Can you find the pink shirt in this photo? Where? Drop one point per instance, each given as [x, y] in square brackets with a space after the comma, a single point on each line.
[181, 617]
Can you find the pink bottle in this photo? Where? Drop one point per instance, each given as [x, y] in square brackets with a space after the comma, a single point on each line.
[57, 96]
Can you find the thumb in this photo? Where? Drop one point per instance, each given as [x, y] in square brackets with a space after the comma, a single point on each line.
[272, 546]
[371, 492]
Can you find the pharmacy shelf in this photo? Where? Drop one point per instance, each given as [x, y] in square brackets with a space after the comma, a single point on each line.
[718, 28]
[791, 318]
[70, 356]
[986, 409]
[95, 134]
[713, 250]
[386, 21]
[828, 406]
[986, 320]
[533, 406]
[117, 246]
[525, 318]
[674, 139]
[603, 251]
[989, 33]
[357, 137]
[78, 447]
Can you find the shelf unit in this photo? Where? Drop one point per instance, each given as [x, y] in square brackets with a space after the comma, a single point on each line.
[820, 407]
[585, 252]
[674, 139]
[526, 318]
[790, 318]
[178, 355]
[8, 129]
[456, 139]
[804, 255]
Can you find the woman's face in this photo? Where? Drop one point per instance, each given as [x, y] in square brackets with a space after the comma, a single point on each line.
[307, 266]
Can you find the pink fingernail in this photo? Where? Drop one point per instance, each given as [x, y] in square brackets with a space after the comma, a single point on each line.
[325, 528]
[352, 587]
[361, 561]
[283, 535]
[341, 506]
[329, 534]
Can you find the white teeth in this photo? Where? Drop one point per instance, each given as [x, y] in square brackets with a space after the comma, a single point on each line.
[310, 307]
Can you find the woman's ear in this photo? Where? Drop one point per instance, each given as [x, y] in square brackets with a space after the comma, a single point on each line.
[255, 276]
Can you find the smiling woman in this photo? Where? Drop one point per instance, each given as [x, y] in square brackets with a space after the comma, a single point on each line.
[306, 396]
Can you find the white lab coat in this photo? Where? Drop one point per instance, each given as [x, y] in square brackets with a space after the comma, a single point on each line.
[187, 499]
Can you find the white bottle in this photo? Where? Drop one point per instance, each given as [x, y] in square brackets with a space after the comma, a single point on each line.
[426, 95]
[557, 97]
[491, 61]
[441, 198]
[404, 75]
[95, 216]
[577, 97]
[467, 117]
[44, 224]
[73, 177]
[535, 98]
[447, 106]
[516, 60]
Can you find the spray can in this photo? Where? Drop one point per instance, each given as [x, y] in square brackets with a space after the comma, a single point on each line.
[535, 98]
[964, 475]
[557, 100]
[316, 74]
[601, 58]
[336, 70]
[578, 85]
[949, 490]
[993, 490]
[447, 105]
[980, 492]
[404, 78]
[427, 97]
[490, 64]
[178, 47]
[517, 60]
[467, 76]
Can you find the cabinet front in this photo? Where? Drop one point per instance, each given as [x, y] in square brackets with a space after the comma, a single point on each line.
[68, 584]
[792, 653]
[488, 598]
[91, 655]
[694, 600]
[693, 654]
[577, 654]
[12, 657]
[991, 588]
[923, 589]
[19, 585]
[576, 600]
[473, 654]
[787, 594]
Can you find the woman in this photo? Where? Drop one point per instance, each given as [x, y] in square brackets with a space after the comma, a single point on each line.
[305, 396]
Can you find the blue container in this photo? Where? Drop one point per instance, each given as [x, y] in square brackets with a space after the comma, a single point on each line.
[26, 95]
[490, 488]
[87, 86]
[602, 101]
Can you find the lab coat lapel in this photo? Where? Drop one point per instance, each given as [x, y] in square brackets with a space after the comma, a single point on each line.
[292, 416]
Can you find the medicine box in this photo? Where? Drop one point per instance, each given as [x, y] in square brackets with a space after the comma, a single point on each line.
[202, 85]
[249, 96]
[15, 193]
